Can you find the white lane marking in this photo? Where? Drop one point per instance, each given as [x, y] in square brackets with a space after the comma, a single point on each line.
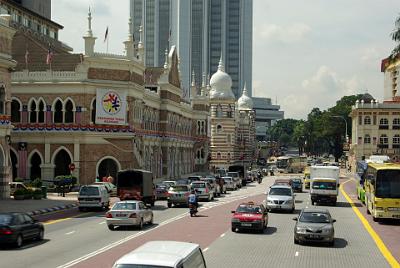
[222, 235]
[205, 249]
[126, 239]
[103, 222]
[70, 232]
[297, 254]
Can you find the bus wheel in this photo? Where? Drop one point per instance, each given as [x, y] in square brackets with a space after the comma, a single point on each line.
[375, 219]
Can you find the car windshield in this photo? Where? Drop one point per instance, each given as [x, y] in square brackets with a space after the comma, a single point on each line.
[227, 179]
[124, 206]
[180, 188]
[280, 191]
[314, 217]
[5, 219]
[199, 185]
[324, 185]
[248, 209]
[89, 191]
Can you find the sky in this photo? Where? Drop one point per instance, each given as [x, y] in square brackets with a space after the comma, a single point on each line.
[306, 53]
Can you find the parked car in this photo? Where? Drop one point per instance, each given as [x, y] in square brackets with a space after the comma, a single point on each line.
[16, 186]
[161, 191]
[230, 184]
[129, 213]
[203, 190]
[236, 178]
[222, 185]
[314, 225]
[214, 185]
[163, 254]
[17, 227]
[111, 188]
[280, 197]
[93, 196]
[249, 216]
[284, 181]
[178, 195]
[297, 185]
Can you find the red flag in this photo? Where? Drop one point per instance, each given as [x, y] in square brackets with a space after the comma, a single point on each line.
[106, 35]
[49, 57]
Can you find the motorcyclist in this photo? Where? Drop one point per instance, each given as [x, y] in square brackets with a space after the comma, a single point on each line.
[192, 199]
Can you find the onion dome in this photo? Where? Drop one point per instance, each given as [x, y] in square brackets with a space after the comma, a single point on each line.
[221, 84]
[245, 102]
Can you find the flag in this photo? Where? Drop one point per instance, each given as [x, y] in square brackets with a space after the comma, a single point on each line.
[106, 35]
[49, 57]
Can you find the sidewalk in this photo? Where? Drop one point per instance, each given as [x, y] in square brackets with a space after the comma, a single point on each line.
[37, 207]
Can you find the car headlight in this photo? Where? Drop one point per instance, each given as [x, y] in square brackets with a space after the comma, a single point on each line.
[269, 201]
[326, 230]
[235, 220]
[300, 230]
[290, 201]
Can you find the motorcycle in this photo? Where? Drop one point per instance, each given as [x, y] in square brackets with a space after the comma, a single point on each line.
[192, 210]
[259, 180]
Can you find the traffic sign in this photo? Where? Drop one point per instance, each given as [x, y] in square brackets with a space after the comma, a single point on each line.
[71, 167]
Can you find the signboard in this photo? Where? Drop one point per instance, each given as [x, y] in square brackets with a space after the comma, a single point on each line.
[346, 146]
[111, 106]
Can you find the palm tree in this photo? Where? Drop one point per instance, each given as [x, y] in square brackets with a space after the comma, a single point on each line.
[396, 38]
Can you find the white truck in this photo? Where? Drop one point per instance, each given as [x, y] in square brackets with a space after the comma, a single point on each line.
[324, 184]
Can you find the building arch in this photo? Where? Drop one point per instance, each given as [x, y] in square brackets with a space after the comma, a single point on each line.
[35, 160]
[32, 110]
[14, 162]
[69, 110]
[16, 109]
[2, 99]
[107, 166]
[41, 110]
[57, 109]
[93, 110]
[61, 159]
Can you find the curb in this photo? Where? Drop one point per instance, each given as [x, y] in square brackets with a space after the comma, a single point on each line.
[51, 209]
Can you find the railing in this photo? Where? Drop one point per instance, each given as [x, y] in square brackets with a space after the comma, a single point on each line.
[109, 55]
[48, 75]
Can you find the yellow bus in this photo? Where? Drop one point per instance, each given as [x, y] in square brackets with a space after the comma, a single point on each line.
[307, 178]
[382, 190]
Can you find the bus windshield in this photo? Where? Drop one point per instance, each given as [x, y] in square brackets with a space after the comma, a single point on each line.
[388, 184]
[282, 163]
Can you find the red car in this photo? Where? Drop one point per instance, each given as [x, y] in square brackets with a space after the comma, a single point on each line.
[250, 216]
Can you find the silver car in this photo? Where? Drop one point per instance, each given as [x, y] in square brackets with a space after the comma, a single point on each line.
[314, 225]
[178, 195]
[230, 183]
[203, 190]
[129, 213]
[280, 197]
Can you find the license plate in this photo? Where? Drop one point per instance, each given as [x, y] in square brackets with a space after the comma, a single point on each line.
[246, 224]
[313, 236]
[120, 215]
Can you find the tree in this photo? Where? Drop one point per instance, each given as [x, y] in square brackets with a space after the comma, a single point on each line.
[396, 38]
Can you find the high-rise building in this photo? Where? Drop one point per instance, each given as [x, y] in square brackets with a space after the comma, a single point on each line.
[40, 7]
[266, 116]
[202, 30]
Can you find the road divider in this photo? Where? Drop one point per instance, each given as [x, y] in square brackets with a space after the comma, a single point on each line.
[378, 241]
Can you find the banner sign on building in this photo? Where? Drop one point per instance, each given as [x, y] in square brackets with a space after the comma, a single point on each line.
[111, 106]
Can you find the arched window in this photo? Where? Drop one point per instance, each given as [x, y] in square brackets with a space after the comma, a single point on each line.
[383, 141]
[69, 112]
[218, 155]
[367, 139]
[396, 123]
[41, 112]
[32, 112]
[2, 99]
[15, 111]
[230, 111]
[58, 113]
[367, 120]
[396, 141]
[383, 123]
[198, 154]
[219, 128]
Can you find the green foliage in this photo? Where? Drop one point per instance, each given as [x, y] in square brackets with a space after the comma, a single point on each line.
[37, 183]
[19, 180]
[19, 192]
[396, 37]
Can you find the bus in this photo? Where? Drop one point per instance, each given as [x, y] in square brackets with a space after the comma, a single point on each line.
[382, 190]
[291, 164]
[307, 178]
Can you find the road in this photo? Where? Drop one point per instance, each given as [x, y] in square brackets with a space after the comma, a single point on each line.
[83, 240]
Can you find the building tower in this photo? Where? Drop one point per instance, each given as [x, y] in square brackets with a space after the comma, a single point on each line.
[6, 64]
[223, 126]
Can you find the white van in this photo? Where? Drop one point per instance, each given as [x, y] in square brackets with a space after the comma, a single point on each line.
[93, 196]
[163, 254]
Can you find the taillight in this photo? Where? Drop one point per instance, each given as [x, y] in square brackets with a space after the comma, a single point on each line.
[5, 231]
[109, 215]
[133, 215]
[206, 190]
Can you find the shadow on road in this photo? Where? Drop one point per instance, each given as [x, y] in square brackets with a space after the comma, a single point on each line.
[394, 222]
[339, 243]
[26, 245]
[298, 201]
[159, 207]
[134, 228]
[270, 230]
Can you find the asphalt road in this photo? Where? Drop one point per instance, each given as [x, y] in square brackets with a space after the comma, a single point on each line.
[85, 241]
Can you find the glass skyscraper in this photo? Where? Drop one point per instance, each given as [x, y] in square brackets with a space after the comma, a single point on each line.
[202, 30]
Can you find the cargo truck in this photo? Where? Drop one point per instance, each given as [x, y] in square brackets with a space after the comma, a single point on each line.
[324, 184]
[136, 184]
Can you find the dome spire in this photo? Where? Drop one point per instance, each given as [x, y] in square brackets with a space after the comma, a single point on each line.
[89, 32]
[193, 79]
[221, 66]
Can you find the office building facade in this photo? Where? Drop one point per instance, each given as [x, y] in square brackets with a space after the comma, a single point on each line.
[266, 116]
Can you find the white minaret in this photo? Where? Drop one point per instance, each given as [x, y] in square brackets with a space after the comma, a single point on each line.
[90, 40]
[129, 44]
[140, 55]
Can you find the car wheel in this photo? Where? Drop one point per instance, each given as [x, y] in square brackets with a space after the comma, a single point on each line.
[296, 241]
[40, 235]
[375, 219]
[151, 219]
[292, 209]
[111, 227]
[140, 227]
[332, 243]
[19, 241]
[312, 202]
[169, 205]
[233, 229]
[212, 197]
[81, 209]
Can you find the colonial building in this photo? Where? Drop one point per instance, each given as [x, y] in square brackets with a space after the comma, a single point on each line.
[376, 126]
[232, 123]
[101, 112]
[6, 65]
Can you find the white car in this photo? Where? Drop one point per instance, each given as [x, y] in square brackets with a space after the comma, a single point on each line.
[129, 213]
[280, 197]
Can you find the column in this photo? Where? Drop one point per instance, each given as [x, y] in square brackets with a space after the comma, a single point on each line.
[24, 114]
[49, 115]
[78, 115]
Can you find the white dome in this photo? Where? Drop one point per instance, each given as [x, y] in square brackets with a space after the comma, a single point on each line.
[221, 84]
[245, 102]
